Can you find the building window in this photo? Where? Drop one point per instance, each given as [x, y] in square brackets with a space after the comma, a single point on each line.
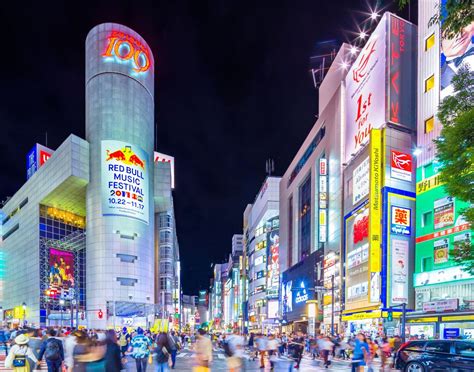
[429, 124]
[128, 282]
[429, 83]
[127, 257]
[427, 264]
[165, 220]
[429, 41]
[11, 231]
[305, 217]
[426, 219]
[290, 231]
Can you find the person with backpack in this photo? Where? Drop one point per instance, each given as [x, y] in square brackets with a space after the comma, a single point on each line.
[174, 343]
[123, 341]
[163, 352]
[18, 356]
[53, 351]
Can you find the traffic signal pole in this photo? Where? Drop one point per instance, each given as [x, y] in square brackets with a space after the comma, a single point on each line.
[404, 319]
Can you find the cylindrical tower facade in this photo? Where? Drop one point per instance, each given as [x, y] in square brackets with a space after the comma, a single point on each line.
[120, 209]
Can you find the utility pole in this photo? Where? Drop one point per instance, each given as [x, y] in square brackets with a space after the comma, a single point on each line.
[332, 305]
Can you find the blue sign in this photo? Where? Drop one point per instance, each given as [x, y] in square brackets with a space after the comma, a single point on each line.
[450, 333]
[31, 162]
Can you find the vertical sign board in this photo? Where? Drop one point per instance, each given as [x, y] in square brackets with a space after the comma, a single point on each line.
[375, 205]
[365, 91]
[125, 180]
[323, 200]
[36, 158]
[401, 105]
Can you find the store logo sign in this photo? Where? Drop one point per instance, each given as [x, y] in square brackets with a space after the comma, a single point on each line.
[124, 48]
[401, 165]
[302, 294]
[362, 68]
[401, 221]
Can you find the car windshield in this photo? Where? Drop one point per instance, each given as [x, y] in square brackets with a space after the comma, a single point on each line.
[464, 348]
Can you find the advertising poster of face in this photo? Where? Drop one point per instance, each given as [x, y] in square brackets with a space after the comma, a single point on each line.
[124, 180]
[399, 271]
[441, 251]
[455, 53]
[61, 270]
[443, 212]
[287, 297]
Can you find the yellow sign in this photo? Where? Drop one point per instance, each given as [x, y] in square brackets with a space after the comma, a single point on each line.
[455, 318]
[361, 316]
[423, 320]
[18, 312]
[160, 325]
[428, 184]
[375, 205]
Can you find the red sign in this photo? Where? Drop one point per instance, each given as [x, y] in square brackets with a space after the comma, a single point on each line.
[450, 231]
[361, 70]
[126, 48]
[361, 228]
[43, 157]
[323, 167]
[402, 165]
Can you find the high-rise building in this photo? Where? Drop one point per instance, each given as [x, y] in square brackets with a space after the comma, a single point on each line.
[261, 225]
[88, 215]
[441, 286]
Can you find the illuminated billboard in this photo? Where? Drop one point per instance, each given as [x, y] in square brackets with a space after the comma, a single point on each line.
[273, 263]
[36, 158]
[61, 273]
[381, 83]
[125, 180]
[455, 53]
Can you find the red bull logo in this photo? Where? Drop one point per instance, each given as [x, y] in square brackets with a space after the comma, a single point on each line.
[125, 155]
[128, 49]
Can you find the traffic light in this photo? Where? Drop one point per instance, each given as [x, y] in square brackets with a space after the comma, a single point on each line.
[390, 315]
[100, 314]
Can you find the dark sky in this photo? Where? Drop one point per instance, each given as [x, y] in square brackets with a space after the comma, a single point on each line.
[232, 89]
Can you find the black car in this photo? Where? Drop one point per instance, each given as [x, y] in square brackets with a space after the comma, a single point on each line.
[436, 355]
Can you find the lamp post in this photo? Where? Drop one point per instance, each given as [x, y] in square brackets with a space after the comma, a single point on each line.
[24, 313]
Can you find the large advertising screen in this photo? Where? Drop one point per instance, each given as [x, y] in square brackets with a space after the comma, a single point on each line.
[61, 272]
[455, 53]
[124, 180]
[273, 263]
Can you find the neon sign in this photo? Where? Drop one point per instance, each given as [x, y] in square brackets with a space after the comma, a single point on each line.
[126, 48]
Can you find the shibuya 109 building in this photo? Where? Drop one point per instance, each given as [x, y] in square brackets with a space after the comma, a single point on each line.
[90, 238]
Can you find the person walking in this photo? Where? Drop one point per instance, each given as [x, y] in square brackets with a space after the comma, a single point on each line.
[262, 344]
[113, 359]
[203, 351]
[4, 336]
[360, 353]
[123, 341]
[163, 352]
[18, 355]
[140, 348]
[297, 344]
[236, 347]
[326, 349]
[174, 343]
[53, 351]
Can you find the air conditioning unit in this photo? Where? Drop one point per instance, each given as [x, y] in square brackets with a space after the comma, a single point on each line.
[421, 297]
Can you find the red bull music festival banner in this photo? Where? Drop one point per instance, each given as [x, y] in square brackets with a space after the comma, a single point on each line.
[124, 180]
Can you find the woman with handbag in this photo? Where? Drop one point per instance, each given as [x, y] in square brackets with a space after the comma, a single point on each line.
[18, 356]
[163, 352]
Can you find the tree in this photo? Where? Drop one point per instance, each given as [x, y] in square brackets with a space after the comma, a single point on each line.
[459, 14]
[455, 150]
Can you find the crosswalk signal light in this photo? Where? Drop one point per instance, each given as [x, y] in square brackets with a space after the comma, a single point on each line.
[100, 314]
[390, 316]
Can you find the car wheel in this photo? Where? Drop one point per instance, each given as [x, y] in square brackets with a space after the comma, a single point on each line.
[414, 367]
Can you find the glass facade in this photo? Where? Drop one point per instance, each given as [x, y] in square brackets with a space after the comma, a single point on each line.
[305, 217]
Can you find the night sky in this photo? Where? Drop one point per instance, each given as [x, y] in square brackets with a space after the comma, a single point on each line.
[233, 88]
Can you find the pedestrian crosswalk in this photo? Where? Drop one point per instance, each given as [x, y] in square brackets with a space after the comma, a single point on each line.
[191, 354]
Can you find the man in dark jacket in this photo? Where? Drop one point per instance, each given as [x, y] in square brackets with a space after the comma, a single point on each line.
[53, 351]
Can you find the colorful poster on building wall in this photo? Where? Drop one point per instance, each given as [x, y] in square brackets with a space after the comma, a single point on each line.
[399, 271]
[366, 91]
[360, 181]
[273, 263]
[125, 180]
[401, 165]
[400, 221]
[443, 212]
[441, 251]
[455, 53]
[61, 273]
